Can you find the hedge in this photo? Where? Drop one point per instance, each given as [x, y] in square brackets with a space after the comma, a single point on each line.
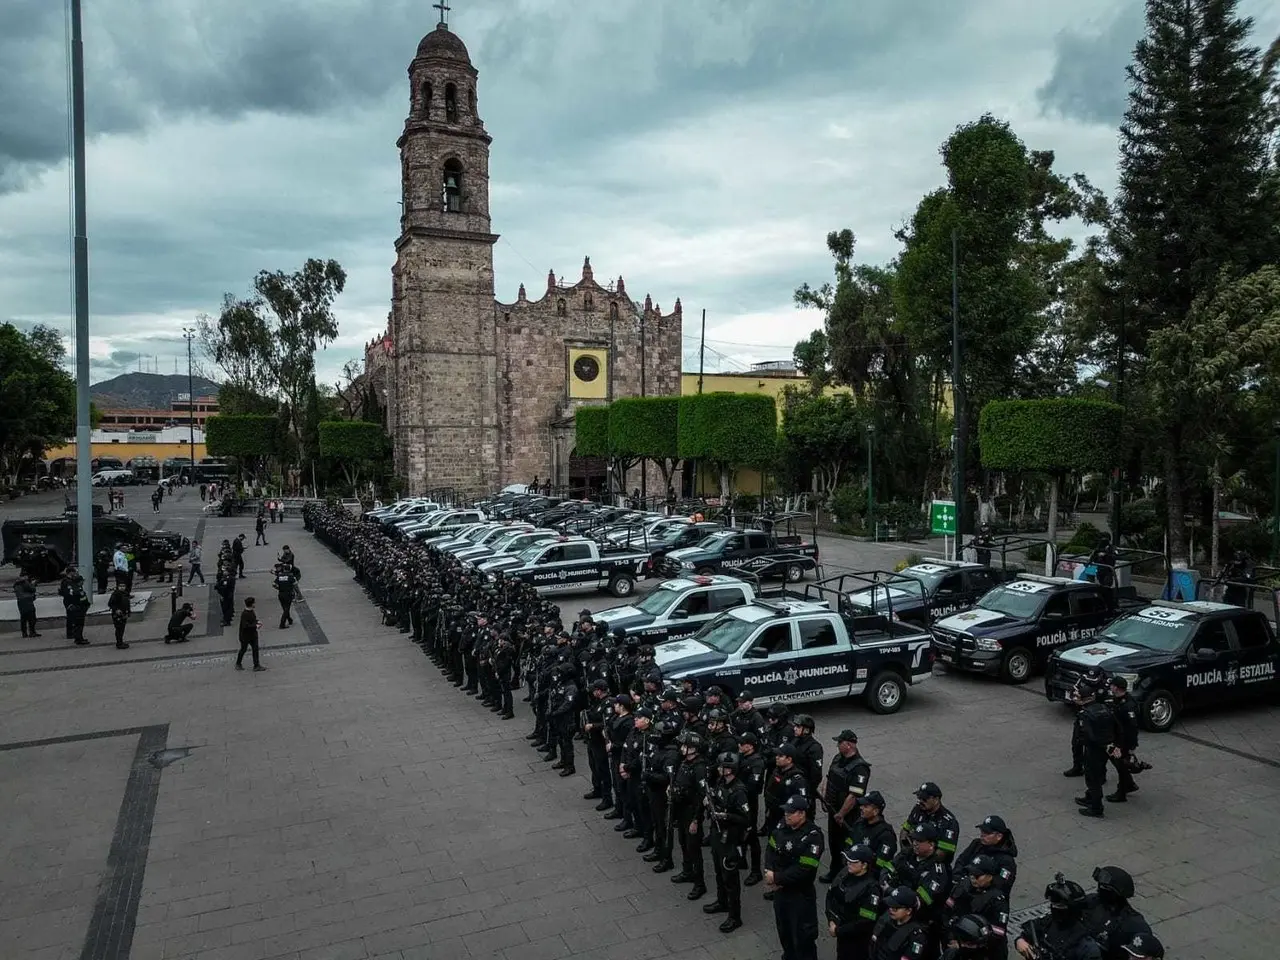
[591, 431]
[645, 427]
[1050, 435]
[242, 435]
[740, 429]
[357, 440]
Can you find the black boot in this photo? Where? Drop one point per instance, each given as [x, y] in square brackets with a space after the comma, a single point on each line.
[653, 857]
[645, 846]
[730, 924]
[1074, 772]
[664, 866]
[698, 892]
[752, 878]
[683, 876]
[715, 906]
[568, 772]
[605, 804]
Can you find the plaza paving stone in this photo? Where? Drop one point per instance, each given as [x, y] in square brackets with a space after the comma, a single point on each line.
[349, 803]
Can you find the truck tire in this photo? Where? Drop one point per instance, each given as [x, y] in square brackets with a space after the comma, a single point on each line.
[1158, 711]
[886, 692]
[793, 573]
[622, 585]
[1015, 667]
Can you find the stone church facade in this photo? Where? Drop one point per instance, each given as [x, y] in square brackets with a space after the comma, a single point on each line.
[482, 393]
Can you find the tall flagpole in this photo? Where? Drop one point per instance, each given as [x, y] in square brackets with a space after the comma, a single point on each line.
[84, 486]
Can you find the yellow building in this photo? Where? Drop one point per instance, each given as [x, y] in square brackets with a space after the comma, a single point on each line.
[126, 445]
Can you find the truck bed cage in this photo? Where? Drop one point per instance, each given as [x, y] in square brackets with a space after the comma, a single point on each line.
[1006, 544]
[837, 589]
[1264, 578]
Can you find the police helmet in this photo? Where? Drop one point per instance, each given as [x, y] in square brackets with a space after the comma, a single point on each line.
[748, 736]
[646, 650]
[1114, 880]
[727, 761]
[716, 715]
[691, 704]
[693, 740]
[671, 695]
[1066, 897]
[777, 711]
[971, 930]
[803, 720]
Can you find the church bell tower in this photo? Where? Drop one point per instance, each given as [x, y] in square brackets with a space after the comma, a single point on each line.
[444, 424]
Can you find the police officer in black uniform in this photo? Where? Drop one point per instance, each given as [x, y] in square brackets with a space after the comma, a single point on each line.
[1098, 729]
[846, 783]
[995, 840]
[746, 718]
[751, 774]
[1125, 710]
[1061, 935]
[872, 830]
[786, 781]
[975, 893]
[922, 869]
[659, 777]
[688, 787]
[1108, 915]
[791, 868]
[560, 706]
[808, 755]
[75, 602]
[929, 809]
[853, 903]
[595, 718]
[897, 934]
[968, 938]
[729, 812]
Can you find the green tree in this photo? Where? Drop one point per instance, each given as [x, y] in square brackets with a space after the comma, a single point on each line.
[354, 444]
[825, 433]
[1053, 436]
[37, 396]
[727, 431]
[647, 428]
[592, 439]
[1196, 206]
[812, 358]
[266, 344]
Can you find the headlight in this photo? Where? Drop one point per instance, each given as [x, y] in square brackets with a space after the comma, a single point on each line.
[986, 643]
[686, 565]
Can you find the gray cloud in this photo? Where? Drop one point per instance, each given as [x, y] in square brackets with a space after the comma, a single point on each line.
[1088, 80]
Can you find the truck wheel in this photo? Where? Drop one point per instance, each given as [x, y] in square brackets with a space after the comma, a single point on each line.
[1016, 667]
[794, 573]
[1159, 711]
[885, 692]
[705, 571]
[621, 585]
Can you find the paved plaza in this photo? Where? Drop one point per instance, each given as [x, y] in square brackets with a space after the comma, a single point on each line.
[349, 804]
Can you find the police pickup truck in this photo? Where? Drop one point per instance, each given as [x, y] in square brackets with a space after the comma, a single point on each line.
[1012, 630]
[748, 550]
[677, 608]
[925, 592]
[791, 650]
[568, 564]
[1176, 656]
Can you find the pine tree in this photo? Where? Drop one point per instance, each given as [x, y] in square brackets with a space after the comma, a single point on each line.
[1193, 208]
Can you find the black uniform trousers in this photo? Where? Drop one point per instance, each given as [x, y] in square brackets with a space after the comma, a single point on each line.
[119, 624]
[641, 818]
[562, 729]
[836, 836]
[286, 603]
[27, 618]
[598, 763]
[248, 643]
[621, 795]
[1095, 774]
[1126, 781]
[728, 861]
[75, 622]
[795, 912]
[658, 810]
[691, 864]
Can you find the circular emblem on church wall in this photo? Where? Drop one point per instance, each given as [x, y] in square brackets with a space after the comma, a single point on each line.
[586, 368]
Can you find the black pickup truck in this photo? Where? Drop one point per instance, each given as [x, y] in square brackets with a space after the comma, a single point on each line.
[732, 550]
[1012, 630]
[1177, 656]
[927, 591]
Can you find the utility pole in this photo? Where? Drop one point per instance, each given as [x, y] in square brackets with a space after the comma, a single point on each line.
[84, 451]
[871, 497]
[702, 348]
[644, 463]
[188, 335]
[957, 397]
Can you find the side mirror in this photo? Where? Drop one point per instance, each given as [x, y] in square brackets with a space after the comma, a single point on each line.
[1204, 655]
[757, 653]
[679, 614]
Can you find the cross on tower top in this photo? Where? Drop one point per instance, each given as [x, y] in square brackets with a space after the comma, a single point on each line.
[443, 7]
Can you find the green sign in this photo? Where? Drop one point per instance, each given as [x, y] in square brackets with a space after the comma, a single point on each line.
[942, 517]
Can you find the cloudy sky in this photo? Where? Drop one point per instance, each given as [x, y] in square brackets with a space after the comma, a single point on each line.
[700, 148]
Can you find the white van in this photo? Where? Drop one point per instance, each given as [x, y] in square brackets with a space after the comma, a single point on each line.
[112, 478]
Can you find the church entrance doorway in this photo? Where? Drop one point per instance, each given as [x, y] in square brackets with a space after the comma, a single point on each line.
[588, 476]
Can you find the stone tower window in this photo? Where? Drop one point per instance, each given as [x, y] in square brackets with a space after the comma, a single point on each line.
[613, 311]
[426, 99]
[450, 103]
[586, 302]
[561, 308]
[452, 187]
[471, 100]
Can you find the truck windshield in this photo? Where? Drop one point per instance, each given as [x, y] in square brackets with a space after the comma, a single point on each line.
[1151, 633]
[726, 634]
[1020, 604]
[657, 602]
[715, 542]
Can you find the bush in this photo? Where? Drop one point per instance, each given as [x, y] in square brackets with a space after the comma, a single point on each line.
[901, 516]
[849, 503]
[1035, 552]
[746, 502]
[1253, 538]
[1142, 525]
[1085, 539]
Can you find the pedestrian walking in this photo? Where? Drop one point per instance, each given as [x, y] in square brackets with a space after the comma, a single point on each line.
[118, 604]
[25, 591]
[249, 627]
[284, 587]
[237, 555]
[195, 557]
[204, 489]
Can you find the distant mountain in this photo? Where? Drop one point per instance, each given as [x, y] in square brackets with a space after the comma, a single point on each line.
[147, 391]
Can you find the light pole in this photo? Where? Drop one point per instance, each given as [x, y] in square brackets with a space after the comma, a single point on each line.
[1275, 499]
[188, 334]
[871, 496]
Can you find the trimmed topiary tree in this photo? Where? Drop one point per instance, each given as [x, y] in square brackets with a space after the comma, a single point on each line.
[728, 430]
[1050, 436]
[244, 435]
[647, 428]
[591, 431]
[354, 444]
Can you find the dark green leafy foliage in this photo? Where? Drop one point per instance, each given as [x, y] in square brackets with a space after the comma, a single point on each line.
[729, 428]
[242, 435]
[591, 431]
[1051, 435]
[646, 427]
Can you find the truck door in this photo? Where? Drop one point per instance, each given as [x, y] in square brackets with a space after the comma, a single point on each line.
[758, 550]
[733, 552]
[580, 567]
[950, 597]
[1207, 678]
[826, 658]
[765, 660]
[977, 583]
[1255, 658]
[1054, 629]
[688, 616]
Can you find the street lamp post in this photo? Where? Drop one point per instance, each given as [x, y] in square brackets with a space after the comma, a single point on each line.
[871, 496]
[1275, 500]
[188, 334]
